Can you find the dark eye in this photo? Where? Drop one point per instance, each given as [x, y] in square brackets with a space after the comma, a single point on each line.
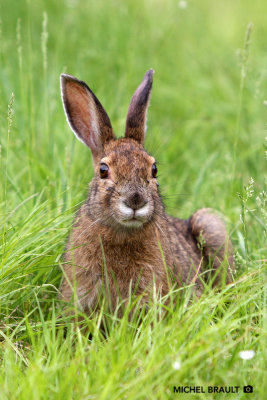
[103, 171]
[154, 170]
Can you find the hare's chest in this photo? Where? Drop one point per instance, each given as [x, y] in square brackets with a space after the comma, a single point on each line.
[134, 271]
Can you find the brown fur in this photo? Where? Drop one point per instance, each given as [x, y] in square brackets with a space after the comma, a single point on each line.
[105, 253]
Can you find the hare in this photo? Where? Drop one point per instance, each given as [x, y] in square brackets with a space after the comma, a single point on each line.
[122, 238]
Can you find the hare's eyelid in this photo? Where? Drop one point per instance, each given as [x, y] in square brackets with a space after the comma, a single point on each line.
[104, 160]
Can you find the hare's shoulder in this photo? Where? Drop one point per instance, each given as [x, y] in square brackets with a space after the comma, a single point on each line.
[204, 227]
[183, 244]
[201, 239]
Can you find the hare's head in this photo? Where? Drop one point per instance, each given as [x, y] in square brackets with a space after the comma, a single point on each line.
[124, 190]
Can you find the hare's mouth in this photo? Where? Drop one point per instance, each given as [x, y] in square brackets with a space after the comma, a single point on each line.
[131, 223]
[133, 218]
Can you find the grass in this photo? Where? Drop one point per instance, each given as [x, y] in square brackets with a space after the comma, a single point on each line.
[206, 127]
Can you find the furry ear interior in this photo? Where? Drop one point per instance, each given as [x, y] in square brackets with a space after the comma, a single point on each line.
[136, 117]
[85, 114]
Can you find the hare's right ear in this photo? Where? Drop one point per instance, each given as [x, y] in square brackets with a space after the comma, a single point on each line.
[85, 115]
[136, 117]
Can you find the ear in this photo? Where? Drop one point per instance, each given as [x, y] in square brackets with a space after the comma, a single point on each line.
[85, 114]
[136, 117]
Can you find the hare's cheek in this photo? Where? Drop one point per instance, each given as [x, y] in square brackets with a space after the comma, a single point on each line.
[108, 192]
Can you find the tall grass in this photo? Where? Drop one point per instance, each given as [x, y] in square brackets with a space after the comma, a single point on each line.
[206, 128]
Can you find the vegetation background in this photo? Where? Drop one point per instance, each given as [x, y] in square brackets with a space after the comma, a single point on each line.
[207, 123]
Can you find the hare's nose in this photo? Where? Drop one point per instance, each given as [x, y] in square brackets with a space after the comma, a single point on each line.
[135, 201]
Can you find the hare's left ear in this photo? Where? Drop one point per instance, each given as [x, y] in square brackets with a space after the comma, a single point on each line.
[136, 117]
[85, 115]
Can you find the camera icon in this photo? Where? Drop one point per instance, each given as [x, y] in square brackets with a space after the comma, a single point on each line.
[248, 389]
